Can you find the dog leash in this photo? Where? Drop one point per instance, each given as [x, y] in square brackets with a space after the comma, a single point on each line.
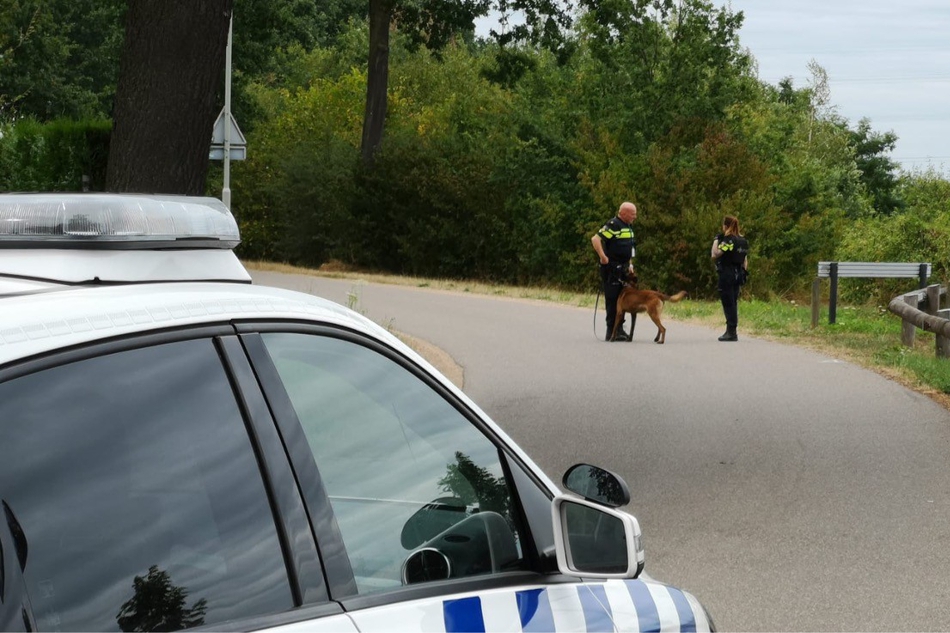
[596, 301]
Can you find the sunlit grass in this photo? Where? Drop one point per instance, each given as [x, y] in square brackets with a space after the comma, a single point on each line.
[865, 335]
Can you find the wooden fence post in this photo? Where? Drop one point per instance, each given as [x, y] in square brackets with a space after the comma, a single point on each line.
[908, 329]
[943, 342]
[933, 299]
[815, 301]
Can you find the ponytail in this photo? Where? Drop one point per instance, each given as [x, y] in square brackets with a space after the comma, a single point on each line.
[730, 224]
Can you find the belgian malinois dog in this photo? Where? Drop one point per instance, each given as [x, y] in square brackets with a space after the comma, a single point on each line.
[634, 300]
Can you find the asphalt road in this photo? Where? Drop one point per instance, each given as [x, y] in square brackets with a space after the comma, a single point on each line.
[785, 489]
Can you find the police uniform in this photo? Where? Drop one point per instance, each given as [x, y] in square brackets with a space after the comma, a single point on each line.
[617, 239]
[732, 274]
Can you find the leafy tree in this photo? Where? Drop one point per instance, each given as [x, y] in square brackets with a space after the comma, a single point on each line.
[475, 485]
[878, 170]
[649, 64]
[925, 192]
[158, 605]
[434, 23]
[58, 57]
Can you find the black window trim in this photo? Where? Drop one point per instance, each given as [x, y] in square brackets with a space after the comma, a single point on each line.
[298, 544]
[342, 583]
[105, 346]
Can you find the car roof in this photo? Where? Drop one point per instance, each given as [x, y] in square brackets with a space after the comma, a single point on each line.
[37, 323]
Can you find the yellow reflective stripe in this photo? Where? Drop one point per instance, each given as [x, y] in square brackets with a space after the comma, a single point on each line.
[621, 234]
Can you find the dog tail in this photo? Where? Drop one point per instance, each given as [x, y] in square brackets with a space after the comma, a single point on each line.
[679, 296]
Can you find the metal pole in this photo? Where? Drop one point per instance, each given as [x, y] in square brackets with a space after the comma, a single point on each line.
[226, 191]
[833, 299]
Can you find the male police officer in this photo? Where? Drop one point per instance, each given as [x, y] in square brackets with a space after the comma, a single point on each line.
[615, 246]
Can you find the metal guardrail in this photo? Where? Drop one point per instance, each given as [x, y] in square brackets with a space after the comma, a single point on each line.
[932, 319]
[868, 270]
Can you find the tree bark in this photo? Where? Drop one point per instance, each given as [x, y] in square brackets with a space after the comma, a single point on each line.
[172, 64]
[377, 79]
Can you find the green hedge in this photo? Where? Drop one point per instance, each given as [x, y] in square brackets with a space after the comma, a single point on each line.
[53, 156]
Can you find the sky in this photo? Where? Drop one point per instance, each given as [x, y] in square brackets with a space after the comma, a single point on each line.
[887, 61]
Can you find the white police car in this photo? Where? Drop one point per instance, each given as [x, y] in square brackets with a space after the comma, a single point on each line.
[180, 449]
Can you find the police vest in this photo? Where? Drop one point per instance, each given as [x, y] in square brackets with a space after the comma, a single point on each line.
[617, 238]
[734, 249]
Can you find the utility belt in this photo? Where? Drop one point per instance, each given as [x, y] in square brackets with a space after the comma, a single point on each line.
[614, 274]
[732, 273]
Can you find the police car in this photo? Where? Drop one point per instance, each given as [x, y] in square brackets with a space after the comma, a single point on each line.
[182, 449]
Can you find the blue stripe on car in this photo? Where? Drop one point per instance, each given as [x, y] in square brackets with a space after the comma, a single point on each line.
[597, 614]
[685, 611]
[534, 607]
[464, 615]
[645, 606]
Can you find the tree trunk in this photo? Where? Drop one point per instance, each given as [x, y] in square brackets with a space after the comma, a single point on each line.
[172, 64]
[377, 79]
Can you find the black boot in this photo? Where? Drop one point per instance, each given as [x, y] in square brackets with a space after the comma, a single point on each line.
[729, 335]
[621, 335]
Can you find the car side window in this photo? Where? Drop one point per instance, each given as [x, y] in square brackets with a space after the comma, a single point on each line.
[134, 484]
[405, 471]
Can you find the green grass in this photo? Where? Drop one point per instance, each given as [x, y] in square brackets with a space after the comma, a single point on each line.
[865, 335]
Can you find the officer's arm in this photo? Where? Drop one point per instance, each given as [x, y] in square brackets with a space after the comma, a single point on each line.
[716, 251]
[599, 247]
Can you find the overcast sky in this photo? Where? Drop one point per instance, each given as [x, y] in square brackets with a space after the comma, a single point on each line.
[887, 60]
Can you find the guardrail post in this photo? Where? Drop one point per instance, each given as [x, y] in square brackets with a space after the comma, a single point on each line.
[908, 329]
[815, 301]
[833, 298]
[923, 275]
[943, 342]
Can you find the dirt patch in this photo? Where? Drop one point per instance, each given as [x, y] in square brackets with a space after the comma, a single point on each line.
[439, 358]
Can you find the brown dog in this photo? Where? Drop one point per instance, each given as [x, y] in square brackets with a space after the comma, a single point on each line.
[633, 300]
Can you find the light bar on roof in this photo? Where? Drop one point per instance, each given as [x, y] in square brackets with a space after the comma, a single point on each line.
[118, 221]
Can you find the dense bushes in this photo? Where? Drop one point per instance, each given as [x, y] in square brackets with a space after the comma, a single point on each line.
[53, 156]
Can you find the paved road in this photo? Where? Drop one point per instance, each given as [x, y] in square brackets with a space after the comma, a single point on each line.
[787, 490]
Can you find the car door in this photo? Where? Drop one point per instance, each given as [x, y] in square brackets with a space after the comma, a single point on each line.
[141, 490]
[426, 503]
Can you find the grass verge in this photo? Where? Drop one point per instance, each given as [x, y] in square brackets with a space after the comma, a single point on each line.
[868, 336]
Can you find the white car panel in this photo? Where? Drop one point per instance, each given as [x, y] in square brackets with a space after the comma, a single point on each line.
[327, 624]
[73, 266]
[612, 605]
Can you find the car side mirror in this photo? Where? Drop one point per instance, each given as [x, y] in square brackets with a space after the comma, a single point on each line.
[597, 485]
[592, 541]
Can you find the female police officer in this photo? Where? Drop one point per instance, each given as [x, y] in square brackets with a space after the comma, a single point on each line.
[730, 252]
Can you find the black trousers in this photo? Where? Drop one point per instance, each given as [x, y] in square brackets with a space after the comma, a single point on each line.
[729, 296]
[610, 275]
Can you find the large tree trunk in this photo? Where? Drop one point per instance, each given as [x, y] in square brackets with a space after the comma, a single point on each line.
[172, 64]
[377, 80]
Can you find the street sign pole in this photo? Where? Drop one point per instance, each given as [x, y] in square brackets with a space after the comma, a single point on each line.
[226, 190]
